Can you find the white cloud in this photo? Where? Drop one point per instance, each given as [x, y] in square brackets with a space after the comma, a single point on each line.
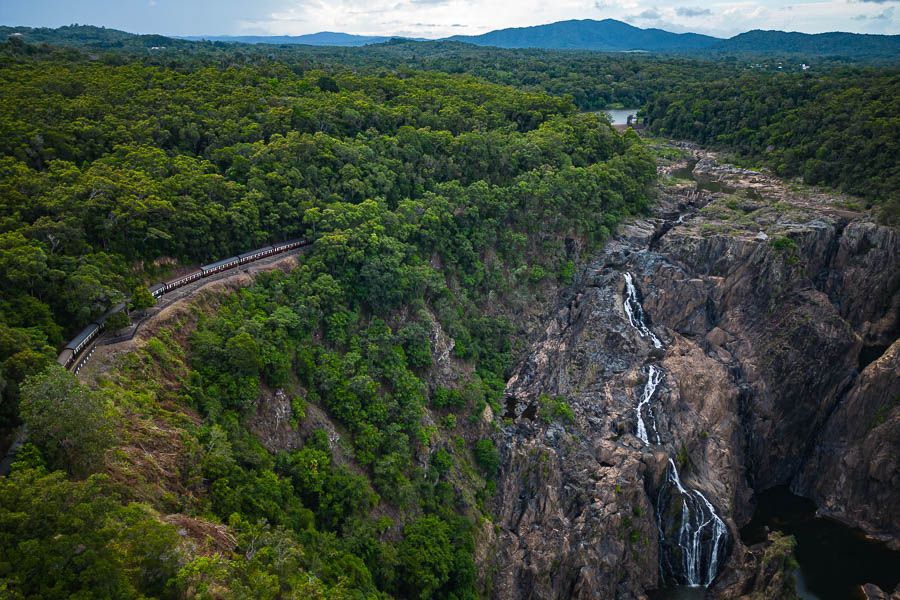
[690, 11]
[440, 18]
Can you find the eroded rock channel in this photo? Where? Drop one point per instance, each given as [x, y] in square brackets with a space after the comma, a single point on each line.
[743, 337]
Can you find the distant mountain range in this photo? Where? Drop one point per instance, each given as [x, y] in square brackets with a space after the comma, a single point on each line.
[607, 35]
[615, 36]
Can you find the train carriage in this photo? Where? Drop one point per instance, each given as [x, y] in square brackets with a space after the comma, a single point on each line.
[221, 265]
[72, 356]
[256, 254]
[65, 357]
[183, 280]
[83, 338]
[289, 245]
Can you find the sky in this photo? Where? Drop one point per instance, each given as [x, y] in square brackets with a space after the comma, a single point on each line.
[442, 18]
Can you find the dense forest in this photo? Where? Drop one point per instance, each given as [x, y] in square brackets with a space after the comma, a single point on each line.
[839, 129]
[433, 201]
[594, 80]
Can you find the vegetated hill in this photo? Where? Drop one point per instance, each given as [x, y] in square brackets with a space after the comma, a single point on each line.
[323, 38]
[91, 37]
[608, 35]
[819, 44]
[587, 34]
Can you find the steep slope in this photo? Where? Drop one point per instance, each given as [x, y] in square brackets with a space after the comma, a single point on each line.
[709, 353]
[587, 34]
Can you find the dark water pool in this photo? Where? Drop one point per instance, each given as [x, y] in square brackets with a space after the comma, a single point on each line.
[834, 559]
[681, 592]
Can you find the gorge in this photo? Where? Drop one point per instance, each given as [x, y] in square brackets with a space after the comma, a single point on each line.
[742, 337]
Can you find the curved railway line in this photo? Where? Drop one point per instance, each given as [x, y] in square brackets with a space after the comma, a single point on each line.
[79, 350]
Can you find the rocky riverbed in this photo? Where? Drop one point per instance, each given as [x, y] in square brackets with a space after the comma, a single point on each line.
[764, 317]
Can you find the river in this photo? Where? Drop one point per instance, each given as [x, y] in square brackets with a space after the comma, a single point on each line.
[834, 559]
[619, 116]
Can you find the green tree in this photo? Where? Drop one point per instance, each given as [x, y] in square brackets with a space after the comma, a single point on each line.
[71, 424]
[141, 298]
[425, 556]
[117, 320]
[74, 539]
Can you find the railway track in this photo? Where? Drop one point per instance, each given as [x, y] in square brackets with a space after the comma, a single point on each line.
[81, 348]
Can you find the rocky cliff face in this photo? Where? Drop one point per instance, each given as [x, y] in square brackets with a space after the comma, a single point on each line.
[771, 323]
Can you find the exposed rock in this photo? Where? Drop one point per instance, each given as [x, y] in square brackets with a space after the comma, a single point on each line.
[764, 322]
[873, 592]
[273, 422]
[854, 470]
[765, 572]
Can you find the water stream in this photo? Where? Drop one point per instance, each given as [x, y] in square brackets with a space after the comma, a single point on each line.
[654, 377]
[694, 541]
[635, 312]
[619, 116]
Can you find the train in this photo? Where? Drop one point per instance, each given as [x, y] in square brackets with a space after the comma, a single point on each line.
[80, 348]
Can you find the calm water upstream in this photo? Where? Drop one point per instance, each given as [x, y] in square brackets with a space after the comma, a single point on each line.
[619, 116]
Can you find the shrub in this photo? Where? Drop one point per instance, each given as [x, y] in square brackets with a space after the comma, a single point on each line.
[555, 408]
[487, 456]
[783, 244]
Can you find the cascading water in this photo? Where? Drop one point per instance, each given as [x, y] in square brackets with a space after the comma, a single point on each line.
[654, 377]
[694, 539]
[635, 312]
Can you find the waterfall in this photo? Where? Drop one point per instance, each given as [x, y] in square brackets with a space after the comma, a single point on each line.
[635, 312]
[693, 553]
[693, 539]
[654, 377]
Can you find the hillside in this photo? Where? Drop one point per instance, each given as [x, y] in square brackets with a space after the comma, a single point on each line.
[89, 36]
[610, 35]
[606, 35]
[820, 44]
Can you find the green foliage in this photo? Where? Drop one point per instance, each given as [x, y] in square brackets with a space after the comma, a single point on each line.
[783, 244]
[787, 247]
[682, 458]
[447, 398]
[74, 539]
[487, 456]
[422, 194]
[416, 344]
[117, 320]
[383, 175]
[555, 408]
[441, 462]
[567, 272]
[425, 556]
[141, 298]
[71, 424]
